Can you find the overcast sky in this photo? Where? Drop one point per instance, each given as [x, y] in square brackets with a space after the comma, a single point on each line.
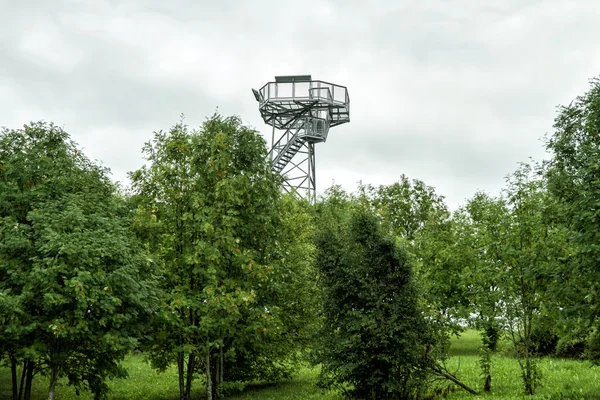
[452, 92]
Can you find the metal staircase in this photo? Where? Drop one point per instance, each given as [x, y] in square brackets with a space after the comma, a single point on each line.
[287, 154]
[286, 149]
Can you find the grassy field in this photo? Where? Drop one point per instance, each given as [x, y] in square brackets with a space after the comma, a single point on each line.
[146, 384]
[561, 379]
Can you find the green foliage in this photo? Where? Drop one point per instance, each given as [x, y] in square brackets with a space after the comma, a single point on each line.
[485, 363]
[544, 335]
[291, 297]
[528, 258]
[593, 346]
[442, 259]
[236, 257]
[571, 345]
[518, 248]
[573, 175]
[75, 283]
[512, 265]
[405, 206]
[481, 234]
[374, 340]
[419, 218]
[227, 389]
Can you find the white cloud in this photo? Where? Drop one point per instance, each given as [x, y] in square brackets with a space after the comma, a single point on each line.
[453, 93]
[45, 43]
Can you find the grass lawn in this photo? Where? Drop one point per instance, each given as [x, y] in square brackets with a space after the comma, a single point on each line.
[143, 383]
[561, 380]
[300, 388]
[146, 384]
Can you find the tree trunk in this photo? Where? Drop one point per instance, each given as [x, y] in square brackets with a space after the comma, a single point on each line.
[492, 333]
[217, 375]
[221, 363]
[14, 378]
[28, 379]
[219, 372]
[528, 372]
[209, 394]
[454, 379]
[181, 371]
[22, 384]
[487, 386]
[53, 379]
[190, 376]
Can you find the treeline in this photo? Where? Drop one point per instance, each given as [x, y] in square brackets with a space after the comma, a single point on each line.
[203, 264]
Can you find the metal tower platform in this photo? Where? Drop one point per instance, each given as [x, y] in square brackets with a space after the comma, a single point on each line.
[304, 109]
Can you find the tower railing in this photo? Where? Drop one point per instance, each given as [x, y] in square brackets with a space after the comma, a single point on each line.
[299, 91]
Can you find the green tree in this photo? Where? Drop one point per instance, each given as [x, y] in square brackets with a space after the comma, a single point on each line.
[75, 285]
[405, 206]
[529, 254]
[443, 256]
[166, 223]
[517, 248]
[374, 339]
[292, 299]
[414, 213]
[482, 239]
[479, 230]
[573, 174]
[208, 211]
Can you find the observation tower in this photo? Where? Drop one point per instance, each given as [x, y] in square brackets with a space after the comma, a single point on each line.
[303, 109]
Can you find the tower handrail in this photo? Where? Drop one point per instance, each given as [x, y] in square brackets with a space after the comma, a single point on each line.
[269, 91]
